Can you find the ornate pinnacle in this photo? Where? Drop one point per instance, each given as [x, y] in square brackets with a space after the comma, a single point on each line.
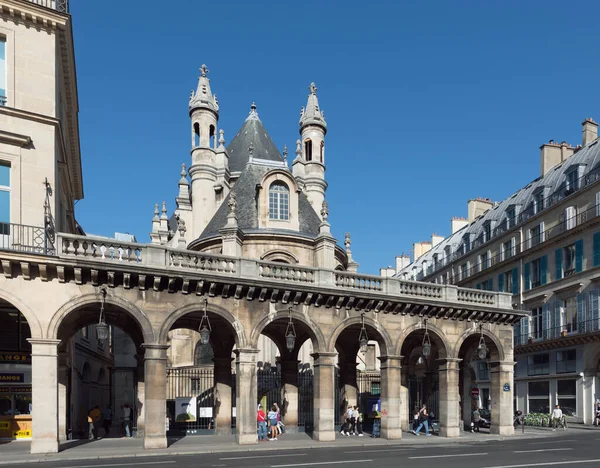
[347, 241]
[250, 149]
[156, 210]
[325, 211]
[203, 70]
[232, 203]
[183, 171]
[298, 149]
[285, 153]
[164, 209]
[313, 88]
[221, 137]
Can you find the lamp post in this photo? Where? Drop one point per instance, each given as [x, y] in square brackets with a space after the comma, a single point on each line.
[290, 333]
[205, 327]
[101, 326]
[363, 338]
[426, 342]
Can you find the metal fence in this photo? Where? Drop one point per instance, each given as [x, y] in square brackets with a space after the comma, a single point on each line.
[58, 5]
[422, 391]
[565, 330]
[305, 400]
[23, 238]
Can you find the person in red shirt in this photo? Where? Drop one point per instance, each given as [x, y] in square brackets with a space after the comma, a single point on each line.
[261, 418]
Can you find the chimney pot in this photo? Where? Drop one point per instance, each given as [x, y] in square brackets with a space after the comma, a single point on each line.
[589, 131]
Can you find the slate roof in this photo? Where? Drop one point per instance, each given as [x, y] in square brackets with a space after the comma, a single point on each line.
[553, 186]
[252, 133]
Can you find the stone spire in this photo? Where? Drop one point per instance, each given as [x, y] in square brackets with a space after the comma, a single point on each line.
[154, 235]
[203, 97]
[298, 150]
[312, 114]
[285, 154]
[352, 265]
[253, 114]
[184, 185]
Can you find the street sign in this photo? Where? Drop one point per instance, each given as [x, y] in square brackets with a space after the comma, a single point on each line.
[475, 393]
[507, 387]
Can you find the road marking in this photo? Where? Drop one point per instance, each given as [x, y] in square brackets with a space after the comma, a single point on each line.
[381, 450]
[552, 441]
[266, 456]
[322, 463]
[445, 456]
[546, 464]
[542, 450]
[128, 464]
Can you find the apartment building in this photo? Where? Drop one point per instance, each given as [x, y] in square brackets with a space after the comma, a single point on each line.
[542, 244]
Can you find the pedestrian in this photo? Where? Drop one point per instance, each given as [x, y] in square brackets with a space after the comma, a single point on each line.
[107, 416]
[353, 420]
[346, 425]
[357, 422]
[476, 417]
[557, 416]
[127, 419]
[261, 418]
[93, 418]
[272, 417]
[415, 418]
[280, 425]
[597, 419]
[376, 424]
[423, 421]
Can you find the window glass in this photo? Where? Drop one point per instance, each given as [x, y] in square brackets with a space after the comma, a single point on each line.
[568, 315]
[5, 405]
[539, 397]
[9, 329]
[566, 361]
[4, 175]
[508, 282]
[536, 322]
[535, 273]
[567, 396]
[279, 201]
[535, 235]
[23, 403]
[482, 370]
[538, 364]
[4, 206]
[2, 72]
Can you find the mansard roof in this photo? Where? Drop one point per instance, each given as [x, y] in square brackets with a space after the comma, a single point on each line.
[251, 139]
[247, 212]
[552, 185]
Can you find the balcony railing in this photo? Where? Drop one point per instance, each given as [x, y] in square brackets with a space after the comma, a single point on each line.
[567, 330]
[559, 195]
[58, 5]
[22, 238]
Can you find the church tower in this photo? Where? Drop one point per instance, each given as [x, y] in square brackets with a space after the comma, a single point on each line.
[209, 170]
[309, 165]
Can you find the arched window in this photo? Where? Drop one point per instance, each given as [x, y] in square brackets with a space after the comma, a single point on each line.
[212, 137]
[196, 137]
[279, 201]
[308, 150]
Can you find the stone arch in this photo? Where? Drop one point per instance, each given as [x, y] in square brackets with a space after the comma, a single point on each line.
[386, 346]
[317, 337]
[475, 331]
[32, 320]
[235, 324]
[88, 299]
[436, 334]
[275, 255]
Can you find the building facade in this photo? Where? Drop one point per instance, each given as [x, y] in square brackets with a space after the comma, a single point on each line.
[542, 245]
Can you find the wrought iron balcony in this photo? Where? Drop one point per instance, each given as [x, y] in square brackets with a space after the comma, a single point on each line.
[23, 238]
[58, 5]
[561, 332]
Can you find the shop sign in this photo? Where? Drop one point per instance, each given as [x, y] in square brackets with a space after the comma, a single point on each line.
[22, 434]
[11, 377]
[15, 357]
[4, 425]
[15, 389]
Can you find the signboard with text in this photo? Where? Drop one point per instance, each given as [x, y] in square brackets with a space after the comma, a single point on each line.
[21, 389]
[15, 357]
[11, 377]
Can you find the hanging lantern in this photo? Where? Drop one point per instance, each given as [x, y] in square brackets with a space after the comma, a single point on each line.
[290, 333]
[204, 327]
[101, 327]
[426, 342]
[482, 348]
[363, 338]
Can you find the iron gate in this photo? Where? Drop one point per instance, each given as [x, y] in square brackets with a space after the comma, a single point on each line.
[423, 391]
[305, 400]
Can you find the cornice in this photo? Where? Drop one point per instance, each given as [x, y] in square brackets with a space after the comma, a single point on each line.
[33, 14]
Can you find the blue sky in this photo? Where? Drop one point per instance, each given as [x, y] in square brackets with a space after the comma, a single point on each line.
[428, 104]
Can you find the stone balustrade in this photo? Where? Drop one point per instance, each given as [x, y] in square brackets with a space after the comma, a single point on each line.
[157, 256]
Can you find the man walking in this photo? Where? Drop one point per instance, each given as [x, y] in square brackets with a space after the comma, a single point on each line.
[127, 419]
[423, 421]
[557, 416]
[107, 416]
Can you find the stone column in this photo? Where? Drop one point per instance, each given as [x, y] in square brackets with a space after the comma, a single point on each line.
[588, 400]
[502, 401]
[138, 401]
[63, 404]
[406, 417]
[155, 401]
[391, 416]
[223, 408]
[449, 408]
[324, 401]
[246, 396]
[44, 383]
[289, 382]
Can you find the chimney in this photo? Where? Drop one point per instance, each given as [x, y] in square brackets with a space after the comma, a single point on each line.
[477, 207]
[590, 131]
[458, 223]
[435, 239]
[387, 272]
[419, 248]
[402, 262]
[550, 156]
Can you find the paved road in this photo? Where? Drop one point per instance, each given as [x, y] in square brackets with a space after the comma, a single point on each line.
[579, 450]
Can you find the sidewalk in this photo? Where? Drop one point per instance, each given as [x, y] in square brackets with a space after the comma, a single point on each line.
[18, 451]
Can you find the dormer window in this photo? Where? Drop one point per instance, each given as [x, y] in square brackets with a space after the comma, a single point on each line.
[571, 182]
[538, 202]
[467, 242]
[487, 232]
[279, 201]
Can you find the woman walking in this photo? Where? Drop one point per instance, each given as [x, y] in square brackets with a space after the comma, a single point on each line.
[423, 421]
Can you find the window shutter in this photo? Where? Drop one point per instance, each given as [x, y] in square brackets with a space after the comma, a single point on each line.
[527, 276]
[594, 315]
[517, 333]
[515, 281]
[596, 248]
[542, 233]
[512, 246]
[546, 321]
[579, 255]
[581, 312]
[556, 319]
[558, 261]
[501, 282]
[525, 329]
[490, 285]
[543, 269]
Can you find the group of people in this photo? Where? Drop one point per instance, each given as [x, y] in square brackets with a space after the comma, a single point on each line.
[352, 422]
[97, 418]
[273, 419]
[421, 418]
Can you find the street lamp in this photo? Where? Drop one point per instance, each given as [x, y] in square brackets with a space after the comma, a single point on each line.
[290, 333]
[482, 348]
[426, 342]
[205, 328]
[101, 326]
[363, 338]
